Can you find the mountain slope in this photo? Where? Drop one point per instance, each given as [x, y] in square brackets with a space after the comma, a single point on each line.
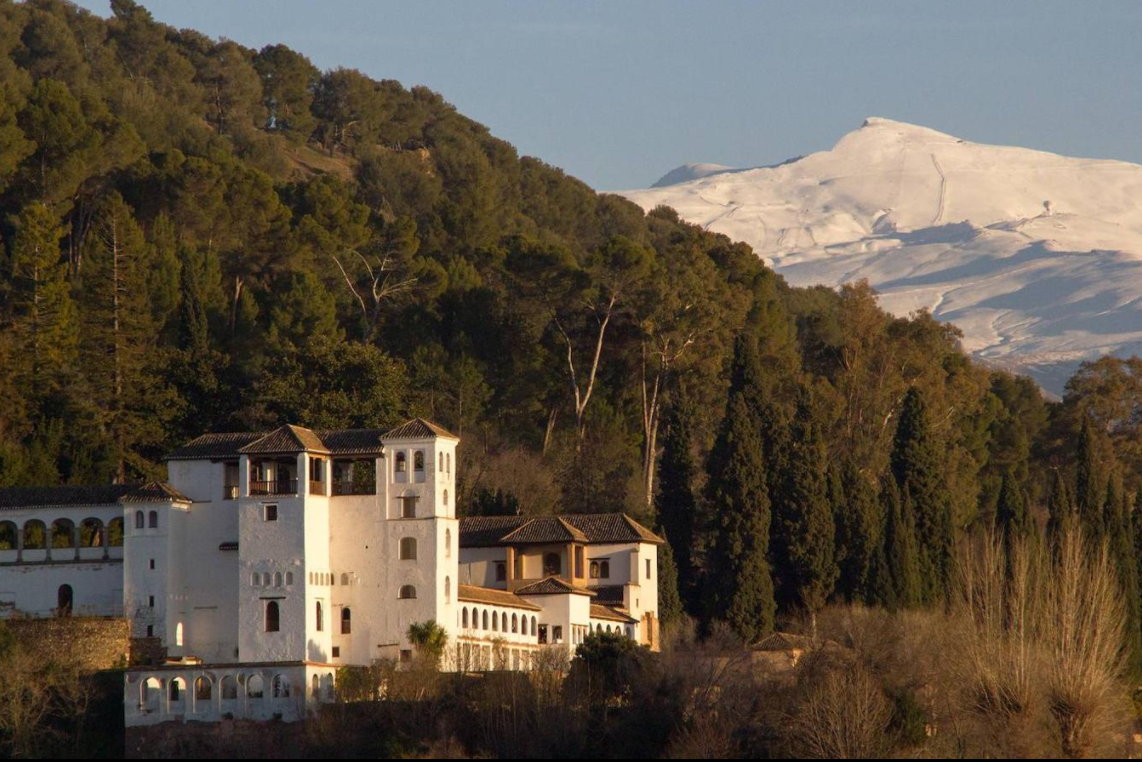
[1036, 257]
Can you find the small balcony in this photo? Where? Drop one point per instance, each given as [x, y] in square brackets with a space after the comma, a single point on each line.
[274, 487]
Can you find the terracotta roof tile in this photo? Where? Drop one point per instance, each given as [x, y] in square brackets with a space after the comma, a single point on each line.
[611, 614]
[418, 428]
[285, 439]
[609, 595]
[211, 446]
[155, 492]
[492, 531]
[492, 597]
[552, 586]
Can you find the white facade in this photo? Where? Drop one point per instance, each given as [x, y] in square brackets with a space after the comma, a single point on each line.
[273, 559]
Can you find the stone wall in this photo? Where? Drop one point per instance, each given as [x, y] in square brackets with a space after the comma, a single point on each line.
[241, 739]
[97, 642]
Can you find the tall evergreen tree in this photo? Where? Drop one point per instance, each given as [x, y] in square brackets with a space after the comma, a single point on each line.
[1091, 478]
[1119, 526]
[901, 551]
[803, 540]
[1011, 517]
[860, 522]
[669, 601]
[740, 587]
[676, 504]
[1060, 510]
[919, 467]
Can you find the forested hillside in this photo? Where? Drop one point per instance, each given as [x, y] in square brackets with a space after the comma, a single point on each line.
[203, 237]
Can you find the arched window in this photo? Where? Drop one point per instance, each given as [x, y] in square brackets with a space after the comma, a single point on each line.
[8, 536]
[178, 634]
[344, 578]
[604, 569]
[177, 690]
[418, 460]
[115, 532]
[406, 592]
[552, 565]
[594, 570]
[448, 543]
[495, 621]
[446, 497]
[140, 521]
[484, 620]
[91, 533]
[534, 626]
[228, 688]
[153, 520]
[346, 621]
[265, 579]
[63, 534]
[149, 692]
[320, 618]
[280, 686]
[464, 618]
[447, 589]
[401, 463]
[408, 549]
[277, 579]
[202, 689]
[289, 578]
[64, 600]
[255, 578]
[273, 622]
[315, 687]
[448, 462]
[440, 461]
[255, 687]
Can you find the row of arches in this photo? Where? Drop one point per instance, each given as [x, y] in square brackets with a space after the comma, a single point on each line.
[254, 687]
[477, 619]
[34, 534]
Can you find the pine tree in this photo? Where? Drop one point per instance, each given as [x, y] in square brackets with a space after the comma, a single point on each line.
[740, 588]
[918, 465]
[901, 551]
[860, 522]
[45, 321]
[803, 540]
[669, 601]
[676, 505]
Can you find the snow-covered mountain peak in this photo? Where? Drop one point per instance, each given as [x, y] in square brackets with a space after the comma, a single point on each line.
[1036, 256]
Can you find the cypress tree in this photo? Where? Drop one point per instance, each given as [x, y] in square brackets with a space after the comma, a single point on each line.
[1011, 516]
[1091, 479]
[901, 551]
[669, 601]
[803, 541]
[740, 588]
[918, 466]
[1118, 523]
[1060, 510]
[676, 504]
[859, 523]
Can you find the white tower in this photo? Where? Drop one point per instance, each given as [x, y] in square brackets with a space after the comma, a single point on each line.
[422, 535]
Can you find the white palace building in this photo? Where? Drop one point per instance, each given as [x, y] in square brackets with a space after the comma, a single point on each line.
[269, 560]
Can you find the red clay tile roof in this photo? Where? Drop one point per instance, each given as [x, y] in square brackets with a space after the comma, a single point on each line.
[285, 439]
[492, 597]
[214, 446]
[493, 531]
[418, 428]
[610, 614]
[552, 586]
[155, 492]
[609, 595]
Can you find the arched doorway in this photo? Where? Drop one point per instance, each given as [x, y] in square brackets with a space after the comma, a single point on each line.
[64, 599]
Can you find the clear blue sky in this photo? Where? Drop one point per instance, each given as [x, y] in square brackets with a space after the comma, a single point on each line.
[618, 93]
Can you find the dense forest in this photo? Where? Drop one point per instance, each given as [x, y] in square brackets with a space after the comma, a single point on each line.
[197, 236]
